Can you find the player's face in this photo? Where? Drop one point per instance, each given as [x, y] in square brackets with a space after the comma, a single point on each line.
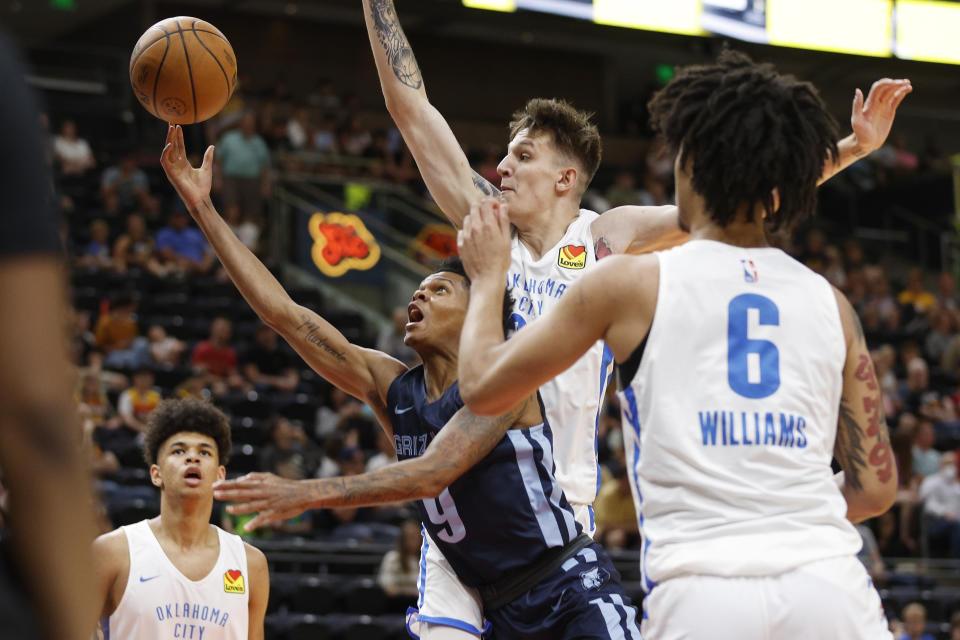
[187, 464]
[436, 311]
[529, 174]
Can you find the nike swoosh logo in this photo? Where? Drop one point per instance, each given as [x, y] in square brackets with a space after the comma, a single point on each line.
[401, 411]
[142, 579]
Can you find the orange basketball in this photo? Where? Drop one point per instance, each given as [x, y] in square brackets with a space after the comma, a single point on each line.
[183, 70]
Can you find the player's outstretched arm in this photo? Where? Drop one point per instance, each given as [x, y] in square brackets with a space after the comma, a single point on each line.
[364, 373]
[862, 447]
[462, 442]
[440, 158]
[259, 591]
[633, 229]
[495, 375]
[871, 120]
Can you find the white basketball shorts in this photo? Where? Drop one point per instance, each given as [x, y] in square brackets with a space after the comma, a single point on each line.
[823, 600]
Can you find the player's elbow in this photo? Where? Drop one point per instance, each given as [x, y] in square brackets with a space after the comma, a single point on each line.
[872, 502]
[481, 401]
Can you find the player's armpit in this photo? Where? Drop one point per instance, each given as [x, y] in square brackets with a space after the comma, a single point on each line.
[259, 591]
[862, 446]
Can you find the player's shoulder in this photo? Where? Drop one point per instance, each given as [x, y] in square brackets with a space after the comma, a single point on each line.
[256, 560]
[111, 549]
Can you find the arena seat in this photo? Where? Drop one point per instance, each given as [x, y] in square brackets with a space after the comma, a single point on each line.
[364, 596]
[314, 595]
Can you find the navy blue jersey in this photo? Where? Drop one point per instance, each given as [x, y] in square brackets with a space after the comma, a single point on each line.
[502, 514]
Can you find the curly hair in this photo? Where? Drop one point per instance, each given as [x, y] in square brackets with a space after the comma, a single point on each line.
[190, 414]
[573, 132]
[455, 265]
[749, 130]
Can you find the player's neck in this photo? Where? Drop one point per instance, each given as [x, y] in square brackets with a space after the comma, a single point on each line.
[439, 372]
[541, 232]
[185, 523]
[739, 233]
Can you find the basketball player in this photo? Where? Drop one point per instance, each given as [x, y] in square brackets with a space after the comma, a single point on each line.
[734, 363]
[553, 154]
[50, 515]
[521, 563]
[177, 575]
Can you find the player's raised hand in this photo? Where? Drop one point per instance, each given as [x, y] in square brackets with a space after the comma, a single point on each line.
[484, 241]
[272, 497]
[872, 118]
[193, 185]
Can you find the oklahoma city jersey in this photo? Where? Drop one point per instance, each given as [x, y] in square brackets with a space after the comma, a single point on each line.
[729, 422]
[160, 603]
[572, 399]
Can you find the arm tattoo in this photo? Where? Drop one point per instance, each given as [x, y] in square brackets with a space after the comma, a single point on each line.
[849, 448]
[465, 440]
[394, 43]
[881, 455]
[311, 333]
[484, 186]
[601, 249]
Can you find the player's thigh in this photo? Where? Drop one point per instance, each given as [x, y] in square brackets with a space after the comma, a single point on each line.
[704, 607]
[444, 601]
[430, 631]
[842, 594]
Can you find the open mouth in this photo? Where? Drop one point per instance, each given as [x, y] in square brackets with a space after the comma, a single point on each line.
[414, 314]
[192, 477]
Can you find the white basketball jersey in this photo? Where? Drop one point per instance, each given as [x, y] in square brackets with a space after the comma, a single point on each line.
[160, 603]
[730, 420]
[572, 399]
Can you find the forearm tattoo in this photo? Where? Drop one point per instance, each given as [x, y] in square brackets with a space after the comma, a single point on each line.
[312, 334]
[394, 43]
[484, 186]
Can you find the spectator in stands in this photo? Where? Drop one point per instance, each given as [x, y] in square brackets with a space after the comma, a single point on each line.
[390, 338]
[400, 567]
[918, 398]
[947, 291]
[329, 466]
[324, 138]
[323, 96]
[217, 360]
[243, 168]
[125, 186]
[289, 454]
[914, 622]
[298, 129]
[813, 252]
[118, 336]
[73, 154]
[96, 255]
[942, 329]
[833, 269]
[915, 295]
[352, 139]
[180, 248]
[134, 248]
[267, 366]
[139, 401]
[615, 514]
[624, 191]
[82, 339]
[340, 407]
[940, 493]
[164, 349]
[926, 459]
[93, 402]
[244, 228]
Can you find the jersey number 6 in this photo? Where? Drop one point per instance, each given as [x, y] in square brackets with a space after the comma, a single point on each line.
[753, 366]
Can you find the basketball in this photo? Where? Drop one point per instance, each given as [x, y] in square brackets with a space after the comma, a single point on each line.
[183, 70]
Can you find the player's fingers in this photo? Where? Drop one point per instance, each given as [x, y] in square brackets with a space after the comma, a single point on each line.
[857, 101]
[207, 158]
[901, 93]
[248, 507]
[181, 146]
[170, 132]
[165, 154]
[259, 519]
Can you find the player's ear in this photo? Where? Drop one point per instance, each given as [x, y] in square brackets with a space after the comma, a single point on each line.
[775, 198]
[567, 180]
[221, 473]
[155, 476]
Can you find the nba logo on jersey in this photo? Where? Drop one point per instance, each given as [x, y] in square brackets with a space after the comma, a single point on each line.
[572, 256]
[233, 581]
[749, 271]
